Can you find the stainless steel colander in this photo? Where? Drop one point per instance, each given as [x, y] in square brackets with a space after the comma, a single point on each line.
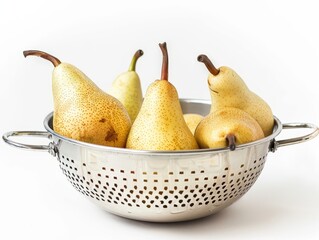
[161, 186]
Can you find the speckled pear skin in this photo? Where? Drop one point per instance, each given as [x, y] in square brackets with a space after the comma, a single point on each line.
[82, 111]
[192, 120]
[127, 89]
[212, 131]
[160, 124]
[227, 89]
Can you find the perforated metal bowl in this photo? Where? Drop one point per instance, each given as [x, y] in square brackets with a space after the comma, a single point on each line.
[161, 186]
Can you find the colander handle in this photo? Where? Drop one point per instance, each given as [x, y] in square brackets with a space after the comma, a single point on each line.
[290, 141]
[49, 148]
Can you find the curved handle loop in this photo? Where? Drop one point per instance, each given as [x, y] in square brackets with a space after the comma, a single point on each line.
[290, 141]
[50, 148]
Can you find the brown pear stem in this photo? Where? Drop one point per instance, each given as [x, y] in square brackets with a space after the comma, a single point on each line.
[210, 66]
[136, 56]
[56, 62]
[231, 141]
[165, 61]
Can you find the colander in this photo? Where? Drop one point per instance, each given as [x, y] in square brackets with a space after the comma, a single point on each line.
[161, 186]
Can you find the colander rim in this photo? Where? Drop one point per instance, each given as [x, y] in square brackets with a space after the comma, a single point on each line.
[277, 129]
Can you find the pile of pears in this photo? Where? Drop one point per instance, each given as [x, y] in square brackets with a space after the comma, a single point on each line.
[124, 118]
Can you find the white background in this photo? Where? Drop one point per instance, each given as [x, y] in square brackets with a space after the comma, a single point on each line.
[273, 45]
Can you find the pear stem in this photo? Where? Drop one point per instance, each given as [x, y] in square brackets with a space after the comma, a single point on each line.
[56, 62]
[210, 66]
[136, 56]
[231, 141]
[165, 61]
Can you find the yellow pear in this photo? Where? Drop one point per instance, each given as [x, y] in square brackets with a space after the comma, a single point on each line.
[228, 89]
[227, 127]
[192, 120]
[160, 124]
[82, 111]
[127, 88]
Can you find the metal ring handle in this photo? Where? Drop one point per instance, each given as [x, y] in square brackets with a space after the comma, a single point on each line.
[50, 148]
[290, 141]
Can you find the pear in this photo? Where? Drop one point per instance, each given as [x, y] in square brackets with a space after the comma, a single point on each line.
[82, 111]
[227, 89]
[160, 124]
[127, 88]
[192, 120]
[227, 127]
